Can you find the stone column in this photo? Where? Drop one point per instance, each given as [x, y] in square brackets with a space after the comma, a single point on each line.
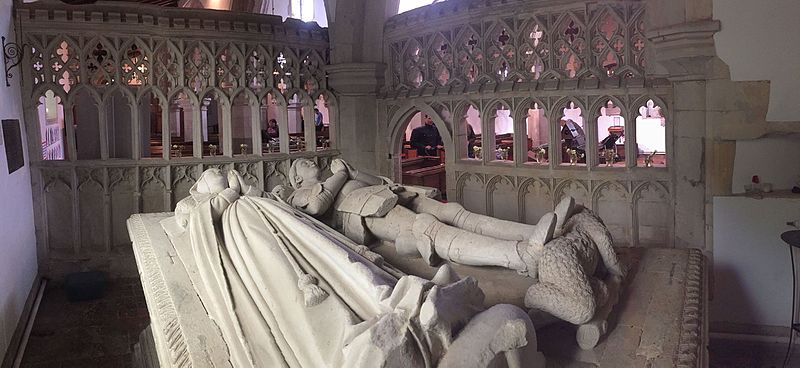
[686, 49]
[356, 86]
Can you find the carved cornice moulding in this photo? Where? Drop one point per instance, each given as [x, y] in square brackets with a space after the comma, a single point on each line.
[124, 18]
[445, 11]
[355, 79]
[685, 49]
[184, 161]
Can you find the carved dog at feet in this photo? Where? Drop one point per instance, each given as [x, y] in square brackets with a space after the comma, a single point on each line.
[571, 268]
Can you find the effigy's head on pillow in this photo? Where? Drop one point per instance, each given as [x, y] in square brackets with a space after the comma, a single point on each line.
[302, 169]
[211, 181]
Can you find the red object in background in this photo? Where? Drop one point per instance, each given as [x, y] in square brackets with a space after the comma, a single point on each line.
[755, 179]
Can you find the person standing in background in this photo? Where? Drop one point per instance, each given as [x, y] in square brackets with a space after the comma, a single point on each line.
[318, 120]
[425, 138]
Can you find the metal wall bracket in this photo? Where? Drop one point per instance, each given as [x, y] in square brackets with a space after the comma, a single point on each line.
[12, 56]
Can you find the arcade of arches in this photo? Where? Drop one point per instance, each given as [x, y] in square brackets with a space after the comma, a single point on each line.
[624, 105]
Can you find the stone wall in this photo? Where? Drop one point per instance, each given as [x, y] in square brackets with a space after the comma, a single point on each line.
[105, 61]
[18, 266]
[518, 55]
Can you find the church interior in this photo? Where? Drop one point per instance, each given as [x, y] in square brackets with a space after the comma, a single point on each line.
[676, 122]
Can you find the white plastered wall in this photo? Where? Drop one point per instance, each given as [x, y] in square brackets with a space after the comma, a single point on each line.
[751, 263]
[756, 43]
[18, 263]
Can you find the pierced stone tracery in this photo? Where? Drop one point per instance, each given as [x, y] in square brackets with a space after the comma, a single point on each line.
[606, 41]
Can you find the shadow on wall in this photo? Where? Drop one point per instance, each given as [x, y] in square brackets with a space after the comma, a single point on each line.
[731, 304]
[9, 315]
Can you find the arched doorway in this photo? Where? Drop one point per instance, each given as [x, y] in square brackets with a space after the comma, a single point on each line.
[419, 156]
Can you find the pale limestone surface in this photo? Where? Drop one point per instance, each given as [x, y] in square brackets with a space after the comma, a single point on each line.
[660, 319]
[442, 303]
[578, 272]
[281, 289]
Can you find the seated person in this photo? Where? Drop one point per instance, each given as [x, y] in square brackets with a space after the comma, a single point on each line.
[425, 138]
[271, 132]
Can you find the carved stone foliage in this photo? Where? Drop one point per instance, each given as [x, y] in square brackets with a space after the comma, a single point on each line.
[519, 44]
[620, 203]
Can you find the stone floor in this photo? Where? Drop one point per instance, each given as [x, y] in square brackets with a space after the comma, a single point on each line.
[101, 334]
[726, 353]
[88, 334]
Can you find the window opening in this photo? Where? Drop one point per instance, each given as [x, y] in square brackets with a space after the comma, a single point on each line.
[651, 133]
[611, 136]
[51, 126]
[573, 136]
[270, 131]
[538, 135]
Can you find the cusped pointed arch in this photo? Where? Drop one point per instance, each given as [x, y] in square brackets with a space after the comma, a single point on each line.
[129, 95]
[302, 95]
[502, 198]
[312, 73]
[400, 119]
[73, 100]
[100, 58]
[37, 60]
[213, 92]
[229, 61]
[257, 70]
[276, 96]
[135, 63]
[642, 100]
[64, 62]
[470, 190]
[146, 92]
[167, 60]
[578, 189]
[184, 92]
[41, 89]
[521, 108]
[198, 66]
[611, 200]
[535, 198]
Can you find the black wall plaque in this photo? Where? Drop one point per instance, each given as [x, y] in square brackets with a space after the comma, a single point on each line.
[13, 143]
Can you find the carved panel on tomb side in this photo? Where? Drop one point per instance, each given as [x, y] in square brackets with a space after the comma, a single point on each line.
[153, 189]
[612, 205]
[578, 189]
[652, 213]
[276, 173]
[471, 191]
[123, 190]
[250, 172]
[183, 177]
[58, 211]
[91, 206]
[536, 197]
[503, 198]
